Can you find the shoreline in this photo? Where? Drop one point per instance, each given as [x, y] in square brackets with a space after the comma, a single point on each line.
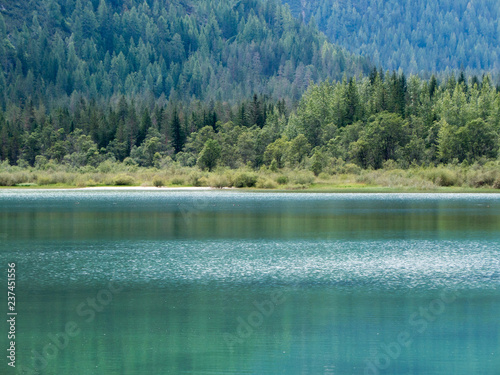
[145, 188]
[313, 189]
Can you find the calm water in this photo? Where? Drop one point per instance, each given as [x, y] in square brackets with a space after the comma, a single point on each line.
[233, 283]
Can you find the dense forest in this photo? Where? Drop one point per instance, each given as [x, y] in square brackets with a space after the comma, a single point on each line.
[416, 36]
[53, 50]
[365, 121]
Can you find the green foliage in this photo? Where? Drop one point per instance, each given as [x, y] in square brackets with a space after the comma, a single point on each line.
[123, 180]
[282, 179]
[158, 181]
[57, 50]
[443, 177]
[417, 36]
[480, 175]
[470, 142]
[244, 179]
[496, 184]
[209, 155]
[218, 181]
[407, 127]
[276, 152]
[318, 162]
[303, 178]
[297, 150]
[194, 179]
[177, 181]
[265, 183]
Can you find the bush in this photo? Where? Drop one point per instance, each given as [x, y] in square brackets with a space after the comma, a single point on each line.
[123, 180]
[84, 182]
[303, 178]
[158, 181]
[106, 166]
[219, 181]
[203, 181]
[482, 178]
[496, 184]
[21, 178]
[282, 179]
[324, 176]
[351, 169]
[6, 179]
[194, 179]
[244, 180]
[266, 183]
[177, 181]
[45, 180]
[442, 177]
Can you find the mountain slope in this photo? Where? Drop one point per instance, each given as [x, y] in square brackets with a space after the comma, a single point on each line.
[208, 50]
[416, 36]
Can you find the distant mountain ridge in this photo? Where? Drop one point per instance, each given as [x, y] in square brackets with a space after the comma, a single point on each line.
[416, 36]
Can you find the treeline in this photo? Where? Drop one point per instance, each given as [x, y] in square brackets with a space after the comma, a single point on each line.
[54, 50]
[374, 121]
[416, 36]
[87, 133]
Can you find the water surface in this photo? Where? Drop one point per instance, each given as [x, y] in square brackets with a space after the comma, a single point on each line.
[254, 283]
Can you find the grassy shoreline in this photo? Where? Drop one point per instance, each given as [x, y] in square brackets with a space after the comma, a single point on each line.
[312, 188]
[327, 190]
[476, 178]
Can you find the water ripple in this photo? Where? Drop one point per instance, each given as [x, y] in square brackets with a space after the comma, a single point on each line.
[397, 264]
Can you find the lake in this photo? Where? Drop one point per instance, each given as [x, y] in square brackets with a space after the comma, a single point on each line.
[224, 282]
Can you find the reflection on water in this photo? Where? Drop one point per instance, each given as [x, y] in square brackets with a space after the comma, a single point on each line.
[231, 283]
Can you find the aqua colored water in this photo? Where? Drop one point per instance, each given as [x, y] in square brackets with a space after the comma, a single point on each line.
[252, 283]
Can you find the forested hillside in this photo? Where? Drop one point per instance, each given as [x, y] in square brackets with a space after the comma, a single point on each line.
[367, 122]
[51, 50]
[417, 36]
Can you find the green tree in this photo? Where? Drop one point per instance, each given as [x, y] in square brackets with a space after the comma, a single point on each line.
[176, 131]
[277, 151]
[297, 150]
[209, 155]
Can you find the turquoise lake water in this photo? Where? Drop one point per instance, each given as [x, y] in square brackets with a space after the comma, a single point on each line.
[223, 282]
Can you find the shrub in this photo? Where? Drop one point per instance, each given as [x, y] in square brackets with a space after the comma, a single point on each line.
[244, 179]
[177, 181]
[303, 178]
[282, 179]
[203, 181]
[324, 176]
[45, 180]
[219, 181]
[84, 182]
[158, 181]
[123, 180]
[443, 177]
[106, 166]
[496, 184]
[266, 183]
[482, 178]
[389, 165]
[351, 169]
[22, 177]
[194, 179]
[6, 179]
